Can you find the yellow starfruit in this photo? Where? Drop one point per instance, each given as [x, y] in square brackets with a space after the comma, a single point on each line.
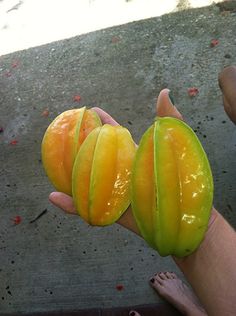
[172, 188]
[62, 141]
[102, 175]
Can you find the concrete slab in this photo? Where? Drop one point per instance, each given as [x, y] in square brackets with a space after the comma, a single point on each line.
[59, 262]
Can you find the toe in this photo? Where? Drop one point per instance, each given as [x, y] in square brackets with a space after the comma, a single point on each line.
[173, 275]
[134, 313]
[156, 280]
[162, 275]
[168, 275]
[157, 284]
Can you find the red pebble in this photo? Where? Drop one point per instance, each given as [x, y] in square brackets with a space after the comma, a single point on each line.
[77, 98]
[214, 42]
[15, 64]
[115, 39]
[120, 287]
[17, 220]
[192, 92]
[45, 113]
[7, 74]
[13, 142]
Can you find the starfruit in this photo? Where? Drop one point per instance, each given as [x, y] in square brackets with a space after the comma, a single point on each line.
[62, 141]
[102, 175]
[172, 188]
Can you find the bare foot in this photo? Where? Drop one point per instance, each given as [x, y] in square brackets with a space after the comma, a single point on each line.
[227, 83]
[170, 287]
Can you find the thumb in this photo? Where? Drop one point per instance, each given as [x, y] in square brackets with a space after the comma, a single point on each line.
[165, 105]
[63, 201]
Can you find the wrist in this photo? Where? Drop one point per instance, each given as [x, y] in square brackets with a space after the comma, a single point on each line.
[127, 220]
[209, 238]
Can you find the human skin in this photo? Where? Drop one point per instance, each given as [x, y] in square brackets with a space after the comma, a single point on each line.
[211, 268]
[227, 83]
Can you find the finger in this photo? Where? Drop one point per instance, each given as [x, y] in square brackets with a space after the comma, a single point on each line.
[63, 201]
[105, 117]
[165, 106]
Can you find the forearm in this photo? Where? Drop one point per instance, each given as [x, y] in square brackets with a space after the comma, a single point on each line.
[127, 220]
[211, 269]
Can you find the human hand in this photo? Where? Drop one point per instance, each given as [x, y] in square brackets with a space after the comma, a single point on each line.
[164, 107]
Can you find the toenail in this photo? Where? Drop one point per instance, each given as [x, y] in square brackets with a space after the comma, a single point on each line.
[152, 280]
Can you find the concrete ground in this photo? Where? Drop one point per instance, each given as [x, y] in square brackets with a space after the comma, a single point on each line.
[58, 262]
[27, 23]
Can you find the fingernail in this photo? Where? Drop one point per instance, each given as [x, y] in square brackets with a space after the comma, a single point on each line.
[171, 98]
[152, 280]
